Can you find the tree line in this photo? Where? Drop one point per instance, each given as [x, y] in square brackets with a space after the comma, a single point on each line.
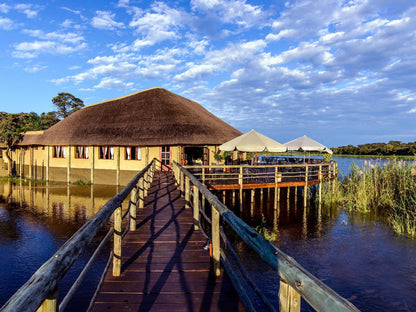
[380, 149]
[12, 126]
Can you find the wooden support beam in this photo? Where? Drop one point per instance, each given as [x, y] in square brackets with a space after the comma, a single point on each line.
[141, 193]
[187, 192]
[117, 242]
[68, 171]
[215, 237]
[51, 303]
[196, 208]
[305, 188]
[133, 209]
[91, 154]
[289, 299]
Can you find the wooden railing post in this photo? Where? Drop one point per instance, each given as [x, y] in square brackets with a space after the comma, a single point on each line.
[133, 208]
[141, 193]
[187, 192]
[117, 242]
[196, 208]
[215, 238]
[51, 303]
[289, 298]
[182, 182]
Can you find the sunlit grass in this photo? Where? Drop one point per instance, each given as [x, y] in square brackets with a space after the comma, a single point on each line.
[391, 186]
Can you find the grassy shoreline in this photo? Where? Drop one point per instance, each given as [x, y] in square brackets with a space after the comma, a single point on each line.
[375, 156]
[390, 187]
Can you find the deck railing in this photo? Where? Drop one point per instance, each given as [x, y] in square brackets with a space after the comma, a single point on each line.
[40, 292]
[246, 176]
[295, 281]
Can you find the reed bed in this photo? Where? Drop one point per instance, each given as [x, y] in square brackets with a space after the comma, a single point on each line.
[390, 187]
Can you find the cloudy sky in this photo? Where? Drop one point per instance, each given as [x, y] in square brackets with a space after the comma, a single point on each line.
[341, 72]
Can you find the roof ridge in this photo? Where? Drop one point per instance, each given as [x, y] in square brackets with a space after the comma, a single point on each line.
[124, 96]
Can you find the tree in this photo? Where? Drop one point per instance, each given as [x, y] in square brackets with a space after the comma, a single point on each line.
[66, 104]
[10, 135]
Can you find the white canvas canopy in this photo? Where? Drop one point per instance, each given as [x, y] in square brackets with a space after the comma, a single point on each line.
[253, 141]
[306, 144]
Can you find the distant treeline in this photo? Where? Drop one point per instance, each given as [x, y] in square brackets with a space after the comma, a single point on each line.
[383, 149]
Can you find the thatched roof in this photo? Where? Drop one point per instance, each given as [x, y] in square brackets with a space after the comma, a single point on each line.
[148, 118]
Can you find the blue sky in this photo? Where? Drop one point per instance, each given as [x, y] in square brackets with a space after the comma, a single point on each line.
[341, 72]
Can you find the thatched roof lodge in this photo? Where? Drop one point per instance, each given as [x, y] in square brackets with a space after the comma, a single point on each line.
[120, 136]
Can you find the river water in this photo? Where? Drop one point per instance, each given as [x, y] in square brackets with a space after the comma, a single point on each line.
[357, 255]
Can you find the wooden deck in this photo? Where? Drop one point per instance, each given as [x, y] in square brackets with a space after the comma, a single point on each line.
[164, 267]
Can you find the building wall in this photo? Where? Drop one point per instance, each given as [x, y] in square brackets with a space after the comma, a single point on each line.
[39, 163]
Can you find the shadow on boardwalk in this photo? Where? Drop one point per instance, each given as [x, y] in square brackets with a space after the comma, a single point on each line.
[165, 267]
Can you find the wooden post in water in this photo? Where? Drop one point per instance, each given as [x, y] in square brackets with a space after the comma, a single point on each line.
[252, 202]
[305, 189]
[240, 183]
[92, 155]
[223, 197]
[261, 198]
[196, 208]
[68, 172]
[215, 236]
[51, 303]
[289, 299]
[187, 192]
[47, 149]
[117, 242]
[133, 208]
[320, 183]
[233, 200]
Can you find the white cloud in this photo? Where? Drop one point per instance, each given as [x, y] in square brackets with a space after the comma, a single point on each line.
[29, 10]
[113, 83]
[6, 23]
[237, 12]
[159, 24]
[49, 43]
[35, 68]
[105, 20]
[4, 8]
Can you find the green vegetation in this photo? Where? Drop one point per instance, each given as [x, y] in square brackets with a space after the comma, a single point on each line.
[378, 149]
[390, 187]
[12, 126]
[82, 182]
[263, 230]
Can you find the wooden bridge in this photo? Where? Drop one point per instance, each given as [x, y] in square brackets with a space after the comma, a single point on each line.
[161, 265]
[164, 265]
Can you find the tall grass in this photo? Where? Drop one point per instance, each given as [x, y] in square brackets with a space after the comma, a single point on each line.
[391, 187]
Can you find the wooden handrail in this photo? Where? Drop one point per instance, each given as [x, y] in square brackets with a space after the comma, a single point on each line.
[44, 281]
[235, 176]
[292, 274]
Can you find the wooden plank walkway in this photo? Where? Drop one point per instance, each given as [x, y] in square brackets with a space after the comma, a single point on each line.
[164, 267]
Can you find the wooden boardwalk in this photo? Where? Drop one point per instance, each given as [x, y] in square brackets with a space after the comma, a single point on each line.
[164, 267]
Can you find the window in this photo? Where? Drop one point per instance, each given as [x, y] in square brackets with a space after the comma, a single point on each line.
[81, 152]
[106, 152]
[133, 153]
[165, 155]
[58, 152]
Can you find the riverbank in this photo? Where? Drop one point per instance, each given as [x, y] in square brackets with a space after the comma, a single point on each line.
[389, 187]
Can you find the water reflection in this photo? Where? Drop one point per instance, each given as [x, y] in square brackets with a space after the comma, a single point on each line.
[35, 221]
